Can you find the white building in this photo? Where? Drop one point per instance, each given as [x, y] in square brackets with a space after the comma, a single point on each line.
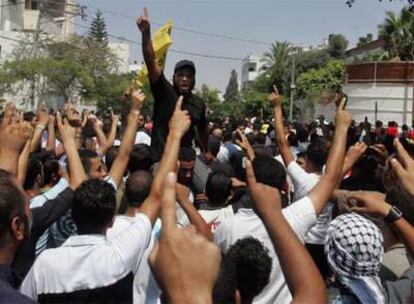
[252, 67]
[19, 20]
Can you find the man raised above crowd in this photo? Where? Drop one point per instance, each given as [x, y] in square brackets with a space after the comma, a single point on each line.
[166, 94]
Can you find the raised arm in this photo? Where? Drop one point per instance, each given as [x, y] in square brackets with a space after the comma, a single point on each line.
[179, 124]
[154, 71]
[374, 203]
[41, 124]
[353, 154]
[68, 135]
[13, 137]
[243, 142]
[304, 282]
[114, 126]
[121, 161]
[190, 280]
[102, 140]
[404, 167]
[276, 101]
[51, 135]
[324, 188]
[193, 215]
[23, 163]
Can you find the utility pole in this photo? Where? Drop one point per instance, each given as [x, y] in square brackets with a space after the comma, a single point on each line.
[292, 86]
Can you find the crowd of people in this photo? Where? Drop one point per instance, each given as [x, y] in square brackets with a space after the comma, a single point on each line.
[116, 208]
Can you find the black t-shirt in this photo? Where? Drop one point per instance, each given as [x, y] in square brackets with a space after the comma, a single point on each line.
[165, 98]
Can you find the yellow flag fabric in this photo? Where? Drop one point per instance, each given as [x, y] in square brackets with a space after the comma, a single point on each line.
[161, 41]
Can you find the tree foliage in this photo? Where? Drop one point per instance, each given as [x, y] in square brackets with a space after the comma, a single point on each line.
[337, 45]
[97, 30]
[398, 34]
[232, 90]
[312, 83]
[364, 40]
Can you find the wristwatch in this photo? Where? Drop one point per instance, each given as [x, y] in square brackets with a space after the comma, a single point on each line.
[393, 215]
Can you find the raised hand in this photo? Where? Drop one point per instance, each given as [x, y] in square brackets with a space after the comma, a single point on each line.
[66, 131]
[180, 121]
[8, 114]
[189, 281]
[15, 136]
[353, 154]
[275, 98]
[369, 202]
[404, 167]
[343, 118]
[42, 116]
[265, 198]
[143, 21]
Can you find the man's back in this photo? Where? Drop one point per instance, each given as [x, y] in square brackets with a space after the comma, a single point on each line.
[89, 268]
[300, 215]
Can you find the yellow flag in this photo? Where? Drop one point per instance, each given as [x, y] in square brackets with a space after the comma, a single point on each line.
[161, 41]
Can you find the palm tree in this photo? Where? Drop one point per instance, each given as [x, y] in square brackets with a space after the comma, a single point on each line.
[278, 59]
[398, 34]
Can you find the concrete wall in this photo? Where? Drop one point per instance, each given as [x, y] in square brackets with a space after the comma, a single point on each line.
[394, 101]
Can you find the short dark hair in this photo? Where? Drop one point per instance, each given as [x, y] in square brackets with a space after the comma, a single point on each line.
[11, 204]
[140, 158]
[187, 154]
[214, 145]
[253, 266]
[137, 188]
[261, 138]
[317, 153]
[34, 169]
[269, 171]
[85, 157]
[110, 157]
[50, 168]
[226, 284]
[218, 188]
[94, 206]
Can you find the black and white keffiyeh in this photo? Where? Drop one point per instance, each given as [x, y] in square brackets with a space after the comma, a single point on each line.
[354, 249]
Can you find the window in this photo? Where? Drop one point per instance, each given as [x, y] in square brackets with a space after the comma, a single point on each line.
[252, 67]
[31, 4]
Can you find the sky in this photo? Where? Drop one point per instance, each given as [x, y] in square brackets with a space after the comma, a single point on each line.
[301, 22]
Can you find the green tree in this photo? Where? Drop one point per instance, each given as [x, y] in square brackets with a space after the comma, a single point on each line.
[398, 34]
[209, 95]
[97, 30]
[364, 40]
[337, 45]
[278, 58]
[232, 90]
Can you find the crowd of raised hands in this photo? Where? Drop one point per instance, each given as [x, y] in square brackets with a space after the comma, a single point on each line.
[298, 213]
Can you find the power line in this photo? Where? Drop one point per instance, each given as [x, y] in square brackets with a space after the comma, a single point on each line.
[186, 29]
[170, 50]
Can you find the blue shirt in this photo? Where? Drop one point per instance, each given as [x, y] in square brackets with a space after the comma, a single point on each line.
[8, 285]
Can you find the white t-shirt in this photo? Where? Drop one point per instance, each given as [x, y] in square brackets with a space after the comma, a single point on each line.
[145, 289]
[300, 215]
[87, 263]
[303, 182]
[212, 217]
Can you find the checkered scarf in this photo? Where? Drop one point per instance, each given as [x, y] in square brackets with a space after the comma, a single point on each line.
[354, 248]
